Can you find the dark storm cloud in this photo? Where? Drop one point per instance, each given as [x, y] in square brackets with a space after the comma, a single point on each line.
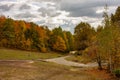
[6, 7]
[25, 15]
[24, 7]
[86, 7]
[79, 12]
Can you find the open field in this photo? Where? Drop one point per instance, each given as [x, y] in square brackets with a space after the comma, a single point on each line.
[9, 54]
[20, 69]
[42, 71]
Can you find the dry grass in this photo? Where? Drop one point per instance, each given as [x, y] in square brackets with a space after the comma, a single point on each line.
[41, 71]
[79, 59]
[23, 70]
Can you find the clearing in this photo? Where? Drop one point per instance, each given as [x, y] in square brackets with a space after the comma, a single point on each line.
[17, 65]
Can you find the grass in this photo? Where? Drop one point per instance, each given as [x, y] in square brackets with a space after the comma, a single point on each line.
[79, 59]
[9, 54]
[40, 71]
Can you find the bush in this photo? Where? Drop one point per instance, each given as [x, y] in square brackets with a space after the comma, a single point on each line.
[117, 73]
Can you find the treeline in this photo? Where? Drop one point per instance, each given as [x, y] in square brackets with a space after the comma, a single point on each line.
[102, 44]
[23, 35]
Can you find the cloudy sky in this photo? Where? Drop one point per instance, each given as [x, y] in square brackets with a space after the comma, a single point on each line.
[53, 13]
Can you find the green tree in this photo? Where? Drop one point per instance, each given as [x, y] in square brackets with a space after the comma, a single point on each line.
[108, 40]
[69, 40]
[8, 32]
[58, 31]
[116, 17]
[103, 40]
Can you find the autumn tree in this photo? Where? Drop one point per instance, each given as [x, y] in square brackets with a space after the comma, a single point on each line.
[43, 38]
[59, 44]
[69, 39]
[20, 28]
[2, 38]
[108, 40]
[8, 32]
[83, 33]
[30, 36]
[54, 37]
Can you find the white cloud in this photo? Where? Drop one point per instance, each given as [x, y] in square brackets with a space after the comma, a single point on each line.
[100, 10]
[58, 12]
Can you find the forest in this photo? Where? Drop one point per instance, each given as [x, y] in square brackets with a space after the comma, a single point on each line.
[23, 35]
[101, 44]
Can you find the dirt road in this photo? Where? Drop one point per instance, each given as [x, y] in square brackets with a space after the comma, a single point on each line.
[63, 61]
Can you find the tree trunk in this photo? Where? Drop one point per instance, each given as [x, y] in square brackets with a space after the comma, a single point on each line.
[99, 63]
[110, 65]
[110, 61]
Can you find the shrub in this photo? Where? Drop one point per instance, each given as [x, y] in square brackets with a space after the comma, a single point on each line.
[117, 72]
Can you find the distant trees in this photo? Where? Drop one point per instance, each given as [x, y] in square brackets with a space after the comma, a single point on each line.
[83, 35]
[29, 36]
[7, 32]
[69, 40]
[61, 39]
[59, 44]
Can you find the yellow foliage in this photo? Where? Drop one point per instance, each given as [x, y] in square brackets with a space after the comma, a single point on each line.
[28, 43]
[59, 44]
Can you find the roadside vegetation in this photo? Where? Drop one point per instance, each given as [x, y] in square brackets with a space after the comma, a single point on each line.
[79, 59]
